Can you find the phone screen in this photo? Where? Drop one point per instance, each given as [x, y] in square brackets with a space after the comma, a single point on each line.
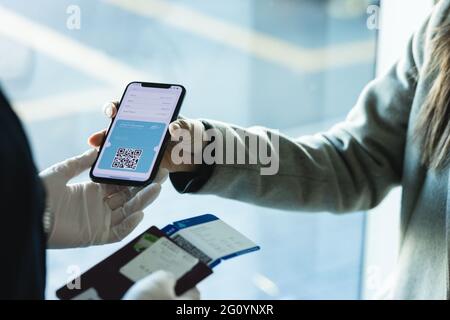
[136, 136]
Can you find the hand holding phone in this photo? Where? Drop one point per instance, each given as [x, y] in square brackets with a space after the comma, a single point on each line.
[193, 127]
[134, 143]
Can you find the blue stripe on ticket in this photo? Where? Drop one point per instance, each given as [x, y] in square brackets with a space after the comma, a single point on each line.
[186, 223]
[221, 239]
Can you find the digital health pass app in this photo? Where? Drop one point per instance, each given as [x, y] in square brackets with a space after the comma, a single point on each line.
[137, 133]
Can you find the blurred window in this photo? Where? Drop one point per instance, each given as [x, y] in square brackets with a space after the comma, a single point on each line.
[293, 65]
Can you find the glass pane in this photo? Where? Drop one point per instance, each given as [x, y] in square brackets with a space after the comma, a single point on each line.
[293, 65]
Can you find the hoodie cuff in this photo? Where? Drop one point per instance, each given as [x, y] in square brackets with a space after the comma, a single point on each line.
[190, 182]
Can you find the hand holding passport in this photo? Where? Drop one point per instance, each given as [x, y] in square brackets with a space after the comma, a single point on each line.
[189, 249]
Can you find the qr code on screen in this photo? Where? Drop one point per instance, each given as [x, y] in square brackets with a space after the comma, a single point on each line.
[126, 158]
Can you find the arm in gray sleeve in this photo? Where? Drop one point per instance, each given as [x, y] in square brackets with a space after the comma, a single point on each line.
[351, 167]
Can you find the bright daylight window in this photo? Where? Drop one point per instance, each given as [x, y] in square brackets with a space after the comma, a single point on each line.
[293, 65]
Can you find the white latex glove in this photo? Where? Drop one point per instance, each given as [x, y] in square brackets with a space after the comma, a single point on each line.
[89, 213]
[159, 285]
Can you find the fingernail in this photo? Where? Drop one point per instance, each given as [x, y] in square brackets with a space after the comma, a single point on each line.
[108, 109]
[175, 126]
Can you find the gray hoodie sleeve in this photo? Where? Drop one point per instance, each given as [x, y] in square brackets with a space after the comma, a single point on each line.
[350, 167]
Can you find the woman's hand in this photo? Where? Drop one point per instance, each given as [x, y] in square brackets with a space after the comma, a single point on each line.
[182, 129]
[88, 213]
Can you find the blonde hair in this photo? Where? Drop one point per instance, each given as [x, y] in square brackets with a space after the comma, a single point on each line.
[433, 126]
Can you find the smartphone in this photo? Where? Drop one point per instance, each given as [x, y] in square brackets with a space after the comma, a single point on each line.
[137, 136]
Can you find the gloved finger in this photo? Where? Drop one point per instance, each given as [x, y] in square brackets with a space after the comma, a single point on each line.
[72, 167]
[124, 228]
[110, 189]
[110, 109]
[117, 195]
[118, 199]
[192, 294]
[134, 190]
[160, 285]
[142, 199]
[161, 176]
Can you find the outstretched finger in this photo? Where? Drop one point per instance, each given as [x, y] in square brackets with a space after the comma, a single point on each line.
[96, 139]
[124, 228]
[142, 199]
